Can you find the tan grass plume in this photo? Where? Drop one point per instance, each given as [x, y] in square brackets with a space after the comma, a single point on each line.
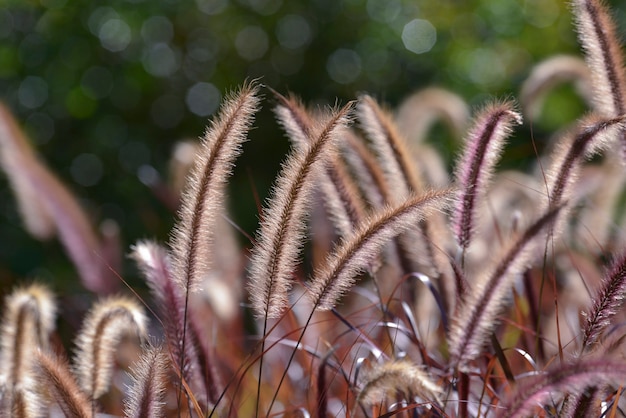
[385, 379]
[356, 252]
[203, 198]
[147, 392]
[281, 234]
[29, 318]
[106, 323]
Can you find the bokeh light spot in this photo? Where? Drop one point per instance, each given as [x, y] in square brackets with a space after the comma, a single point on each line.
[251, 43]
[344, 66]
[293, 31]
[33, 92]
[115, 35]
[419, 36]
[203, 99]
[161, 60]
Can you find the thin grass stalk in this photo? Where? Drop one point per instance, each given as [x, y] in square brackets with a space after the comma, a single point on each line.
[476, 318]
[330, 282]
[281, 233]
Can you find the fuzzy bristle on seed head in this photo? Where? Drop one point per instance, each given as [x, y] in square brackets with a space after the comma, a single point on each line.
[29, 318]
[204, 195]
[105, 325]
[477, 316]
[571, 378]
[281, 234]
[603, 53]
[147, 392]
[55, 379]
[391, 148]
[386, 379]
[483, 147]
[355, 253]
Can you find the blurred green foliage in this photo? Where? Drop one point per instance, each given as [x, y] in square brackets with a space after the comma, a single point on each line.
[105, 89]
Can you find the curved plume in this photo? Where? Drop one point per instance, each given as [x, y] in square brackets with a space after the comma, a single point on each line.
[48, 207]
[476, 317]
[603, 54]
[355, 252]
[397, 375]
[418, 112]
[341, 195]
[592, 135]
[28, 320]
[103, 329]
[282, 229]
[550, 73]
[571, 378]
[202, 200]
[391, 148]
[484, 144]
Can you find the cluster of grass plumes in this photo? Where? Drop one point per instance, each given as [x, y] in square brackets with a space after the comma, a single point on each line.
[376, 285]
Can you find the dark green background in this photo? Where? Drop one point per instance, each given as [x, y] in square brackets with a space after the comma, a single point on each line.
[101, 87]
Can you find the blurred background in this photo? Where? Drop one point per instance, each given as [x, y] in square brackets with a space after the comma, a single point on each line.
[105, 89]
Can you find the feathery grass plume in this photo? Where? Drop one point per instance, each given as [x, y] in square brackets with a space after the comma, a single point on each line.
[281, 232]
[564, 378]
[608, 300]
[29, 317]
[24, 403]
[147, 394]
[476, 318]
[55, 378]
[599, 40]
[417, 113]
[341, 195]
[202, 200]
[591, 136]
[16, 154]
[391, 148]
[154, 263]
[548, 74]
[397, 375]
[483, 147]
[106, 323]
[354, 253]
[402, 178]
[47, 206]
[368, 174]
